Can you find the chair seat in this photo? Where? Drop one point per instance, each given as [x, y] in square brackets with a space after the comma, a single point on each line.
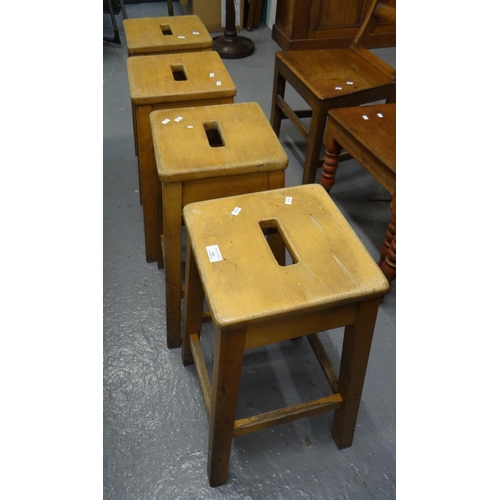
[332, 73]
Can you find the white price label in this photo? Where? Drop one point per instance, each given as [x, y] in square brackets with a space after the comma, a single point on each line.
[214, 253]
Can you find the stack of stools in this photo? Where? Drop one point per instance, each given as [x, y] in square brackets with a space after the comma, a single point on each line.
[166, 35]
[169, 81]
[204, 153]
[236, 259]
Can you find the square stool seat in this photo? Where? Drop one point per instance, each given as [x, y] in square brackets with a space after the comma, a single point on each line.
[204, 153]
[169, 81]
[166, 35]
[257, 297]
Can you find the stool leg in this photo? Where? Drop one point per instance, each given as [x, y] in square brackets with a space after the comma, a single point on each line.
[172, 232]
[159, 217]
[353, 364]
[228, 359]
[193, 305]
[145, 149]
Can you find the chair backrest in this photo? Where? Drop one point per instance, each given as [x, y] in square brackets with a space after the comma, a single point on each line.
[380, 10]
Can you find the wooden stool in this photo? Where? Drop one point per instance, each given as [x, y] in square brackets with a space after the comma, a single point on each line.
[204, 153]
[162, 82]
[255, 300]
[166, 35]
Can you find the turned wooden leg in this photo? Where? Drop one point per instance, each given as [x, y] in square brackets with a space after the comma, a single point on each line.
[387, 261]
[353, 364]
[330, 165]
[228, 359]
[388, 267]
[193, 305]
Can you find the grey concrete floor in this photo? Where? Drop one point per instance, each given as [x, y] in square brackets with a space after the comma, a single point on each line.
[154, 425]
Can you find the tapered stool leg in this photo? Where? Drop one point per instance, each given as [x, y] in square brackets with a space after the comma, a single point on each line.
[353, 364]
[193, 305]
[172, 235]
[228, 359]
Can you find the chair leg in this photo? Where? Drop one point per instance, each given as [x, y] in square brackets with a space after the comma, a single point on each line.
[278, 90]
[313, 148]
[170, 8]
[228, 359]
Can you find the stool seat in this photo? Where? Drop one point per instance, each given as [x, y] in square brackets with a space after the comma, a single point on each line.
[203, 153]
[244, 142]
[257, 295]
[169, 81]
[173, 78]
[248, 285]
[162, 35]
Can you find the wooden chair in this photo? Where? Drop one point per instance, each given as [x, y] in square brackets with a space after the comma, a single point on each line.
[331, 78]
[236, 259]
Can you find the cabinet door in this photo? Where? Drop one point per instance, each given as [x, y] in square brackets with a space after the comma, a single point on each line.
[336, 18]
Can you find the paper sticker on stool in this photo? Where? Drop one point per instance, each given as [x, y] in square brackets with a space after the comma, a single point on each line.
[236, 211]
[214, 253]
[288, 200]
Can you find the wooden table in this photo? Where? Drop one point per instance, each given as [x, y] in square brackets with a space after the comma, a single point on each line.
[368, 134]
[169, 81]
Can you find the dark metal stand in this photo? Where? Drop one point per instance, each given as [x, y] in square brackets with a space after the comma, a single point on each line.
[116, 37]
[230, 45]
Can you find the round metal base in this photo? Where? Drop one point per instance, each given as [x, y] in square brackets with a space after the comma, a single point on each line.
[233, 47]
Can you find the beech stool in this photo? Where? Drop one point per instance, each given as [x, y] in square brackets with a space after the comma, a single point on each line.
[169, 81]
[255, 299]
[204, 153]
[166, 35]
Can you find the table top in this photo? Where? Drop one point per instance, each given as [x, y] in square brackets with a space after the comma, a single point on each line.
[152, 78]
[161, 34]
[248, 286]
[373, 127]
[243, 142]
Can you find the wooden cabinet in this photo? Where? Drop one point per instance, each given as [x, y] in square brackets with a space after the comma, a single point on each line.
[321, 24]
